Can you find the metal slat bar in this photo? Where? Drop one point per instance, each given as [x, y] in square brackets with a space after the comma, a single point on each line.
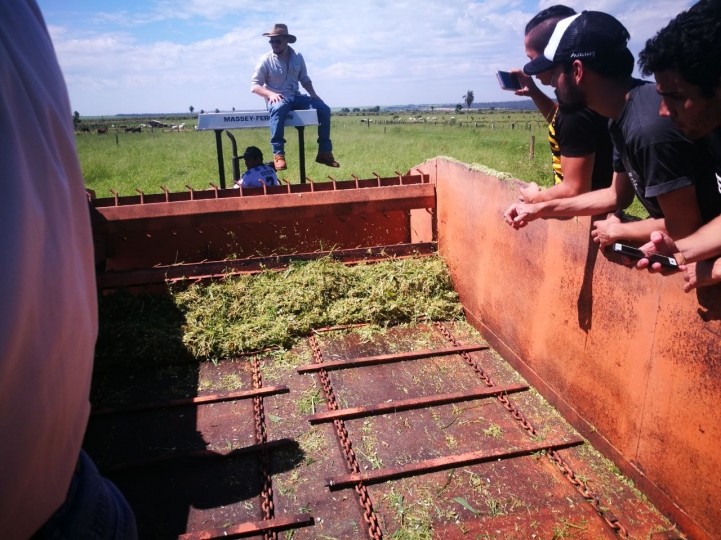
[388, 358]
[206, 270]
[414, 403]
[282, 206]
[439, 464]
[252, 528]
[199, 454]
[202, 400]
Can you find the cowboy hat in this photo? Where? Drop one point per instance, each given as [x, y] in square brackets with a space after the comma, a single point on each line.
[281, 30]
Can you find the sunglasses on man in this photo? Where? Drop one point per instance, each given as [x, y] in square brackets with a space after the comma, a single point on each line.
[275, 41]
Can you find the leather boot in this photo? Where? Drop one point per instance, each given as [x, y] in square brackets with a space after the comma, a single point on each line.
[326, 158]
[279, 161]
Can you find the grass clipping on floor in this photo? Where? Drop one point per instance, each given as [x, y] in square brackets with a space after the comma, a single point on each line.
[246, 313]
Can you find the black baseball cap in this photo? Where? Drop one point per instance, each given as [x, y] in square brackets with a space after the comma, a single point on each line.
[588, 36]
[253, 152]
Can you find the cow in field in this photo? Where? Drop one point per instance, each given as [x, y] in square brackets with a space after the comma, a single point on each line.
[102, 131]
[85, 130]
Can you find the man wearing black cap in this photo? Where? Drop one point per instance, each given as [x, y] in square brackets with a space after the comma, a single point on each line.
[276, 79]
[581, 148]
[258, 174]
[591, 66]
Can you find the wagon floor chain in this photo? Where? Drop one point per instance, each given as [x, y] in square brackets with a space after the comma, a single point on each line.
[426, 433]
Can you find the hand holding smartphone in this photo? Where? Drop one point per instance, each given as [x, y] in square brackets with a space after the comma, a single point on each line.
[508, 81]
[635, 253]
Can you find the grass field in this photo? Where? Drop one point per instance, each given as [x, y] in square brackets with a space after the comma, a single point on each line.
[497, 139]
[148, 160]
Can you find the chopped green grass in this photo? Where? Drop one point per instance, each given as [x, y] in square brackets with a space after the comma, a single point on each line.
[246, 313]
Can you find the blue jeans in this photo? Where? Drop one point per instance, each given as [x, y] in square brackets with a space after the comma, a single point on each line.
[300, 102]
[94, 509]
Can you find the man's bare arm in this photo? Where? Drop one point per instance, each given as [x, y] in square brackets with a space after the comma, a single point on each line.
[577, 173]
[308, 85]
[607, 231]
[263, 92]
[681, 211]
[616, 197]
[546, 106]
[704, 244]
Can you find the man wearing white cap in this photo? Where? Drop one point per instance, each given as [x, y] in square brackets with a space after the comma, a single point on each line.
[276, 79]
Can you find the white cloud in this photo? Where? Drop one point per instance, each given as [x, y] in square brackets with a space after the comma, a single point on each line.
[366, 52]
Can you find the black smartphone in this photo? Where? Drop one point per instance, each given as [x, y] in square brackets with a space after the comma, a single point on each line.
[628, 251]
[508, 81]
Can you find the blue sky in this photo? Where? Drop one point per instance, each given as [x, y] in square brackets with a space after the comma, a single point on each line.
[151, 56]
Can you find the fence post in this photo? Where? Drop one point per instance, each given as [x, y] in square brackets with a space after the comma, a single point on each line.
[532, 152]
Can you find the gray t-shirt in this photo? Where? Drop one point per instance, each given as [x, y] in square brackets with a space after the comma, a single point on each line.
[656, 156]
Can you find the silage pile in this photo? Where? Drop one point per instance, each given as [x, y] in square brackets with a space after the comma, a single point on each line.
[246, 313]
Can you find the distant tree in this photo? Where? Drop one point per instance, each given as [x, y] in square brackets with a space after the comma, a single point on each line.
[376, 109]
[459, 107]
[191, 109]
[202, 111]
[345, 110]
[233, 109]
[432, 107]
[468, 99]
[216, 110]
[76, 119]
[356, 109]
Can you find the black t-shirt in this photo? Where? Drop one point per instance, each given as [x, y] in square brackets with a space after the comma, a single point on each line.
[712, 142]
[657, 157]
[582, 133]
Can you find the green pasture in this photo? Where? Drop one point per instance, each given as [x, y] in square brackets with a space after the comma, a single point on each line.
[499, 140]
[126, 161]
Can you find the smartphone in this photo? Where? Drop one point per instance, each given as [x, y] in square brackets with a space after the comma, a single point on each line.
[628, 251]
[508, 81]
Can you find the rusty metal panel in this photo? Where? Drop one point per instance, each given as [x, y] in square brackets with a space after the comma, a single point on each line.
[623, 354]
[248, 209]
[134, 235]
[110, 279]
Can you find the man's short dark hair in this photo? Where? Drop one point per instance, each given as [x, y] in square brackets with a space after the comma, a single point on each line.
[690, 45]
[554, 12]
[540, 27]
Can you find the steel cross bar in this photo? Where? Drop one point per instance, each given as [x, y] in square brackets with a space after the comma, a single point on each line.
[284, 206]
[439, 464]
[202, 400]
[415, 403]
[253, 265]
[252, 528]
[389, 358]
[200, 454]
